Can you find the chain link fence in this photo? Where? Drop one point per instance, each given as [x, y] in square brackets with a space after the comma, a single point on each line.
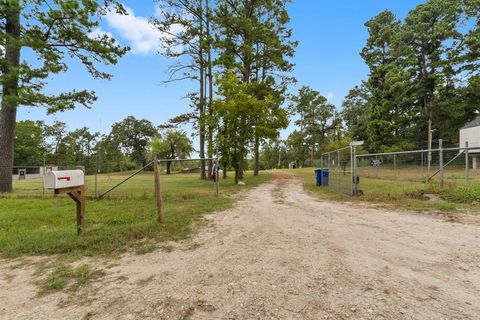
[410, 170]
[339, 164]
[401, 172]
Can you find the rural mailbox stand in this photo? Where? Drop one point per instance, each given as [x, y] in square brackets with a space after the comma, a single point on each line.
[71, 182]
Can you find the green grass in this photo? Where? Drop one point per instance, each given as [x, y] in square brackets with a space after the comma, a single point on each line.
[68, 277]
[146, 248]
[402, 193]
[35, 224]
[462, 194]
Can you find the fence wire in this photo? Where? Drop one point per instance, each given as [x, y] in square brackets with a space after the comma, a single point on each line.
[139, 186]
[339, 164]
[411, 170]
[395, 173]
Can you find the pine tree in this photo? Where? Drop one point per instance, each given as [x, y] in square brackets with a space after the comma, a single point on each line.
[389, 111]
[427, 33]
[316, 119]
[52, 30]
[253, 41]
[354, 112]
[185, 25]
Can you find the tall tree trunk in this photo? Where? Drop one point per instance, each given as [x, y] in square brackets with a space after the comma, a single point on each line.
[241, 161]
[8, 111]
[237, 174]
[256, 160]
[243, 120]
[202, 98]
[210, 89]
[256, 165]
[236, 165]
[225, 170]
[169, 164]
[242, 149]
[240, 170]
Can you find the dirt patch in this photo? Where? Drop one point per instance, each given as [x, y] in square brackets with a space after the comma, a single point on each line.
[432, 197]
[417, 195]
[298, 258]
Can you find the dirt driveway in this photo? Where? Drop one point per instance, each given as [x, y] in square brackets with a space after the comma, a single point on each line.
[283, 254]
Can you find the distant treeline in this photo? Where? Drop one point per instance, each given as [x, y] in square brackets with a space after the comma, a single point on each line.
[130, 144]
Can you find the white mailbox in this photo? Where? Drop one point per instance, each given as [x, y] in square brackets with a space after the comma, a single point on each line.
[64, 179]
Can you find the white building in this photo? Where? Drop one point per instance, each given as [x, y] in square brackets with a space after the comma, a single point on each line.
[31, 172]
[471, 133]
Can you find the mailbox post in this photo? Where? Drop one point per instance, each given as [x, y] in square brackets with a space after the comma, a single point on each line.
[71, 182]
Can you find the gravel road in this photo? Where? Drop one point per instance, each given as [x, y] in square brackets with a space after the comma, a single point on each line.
[281, 253]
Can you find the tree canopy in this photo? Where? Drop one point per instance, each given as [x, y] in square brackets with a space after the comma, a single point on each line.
[53, 31]
[173, 144]
[423, 76]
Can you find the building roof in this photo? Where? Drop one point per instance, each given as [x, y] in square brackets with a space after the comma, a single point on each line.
[472, 124]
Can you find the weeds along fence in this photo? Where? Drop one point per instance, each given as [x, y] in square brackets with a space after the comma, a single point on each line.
[400, 172]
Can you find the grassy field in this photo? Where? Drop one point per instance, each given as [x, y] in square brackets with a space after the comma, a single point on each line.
[406, 193]
[33, 223]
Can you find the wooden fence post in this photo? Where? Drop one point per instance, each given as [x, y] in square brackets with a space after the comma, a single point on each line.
[217, 178]
[158, 190]
[81, 211]
[442, 169]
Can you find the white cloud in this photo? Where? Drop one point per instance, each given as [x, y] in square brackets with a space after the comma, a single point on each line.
[141, 36]
[330, 96]
[98, 33]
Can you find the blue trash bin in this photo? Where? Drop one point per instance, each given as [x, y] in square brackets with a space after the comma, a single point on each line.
[318, 176]
[325, 177]
[322, 177]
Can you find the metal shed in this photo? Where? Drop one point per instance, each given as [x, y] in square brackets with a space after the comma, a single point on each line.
[31, 172]
[471, 133]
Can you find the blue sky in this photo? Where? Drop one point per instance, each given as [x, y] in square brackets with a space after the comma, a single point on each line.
[331, 34]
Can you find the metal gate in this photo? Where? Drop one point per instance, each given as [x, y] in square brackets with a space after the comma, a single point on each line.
[341, 164]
